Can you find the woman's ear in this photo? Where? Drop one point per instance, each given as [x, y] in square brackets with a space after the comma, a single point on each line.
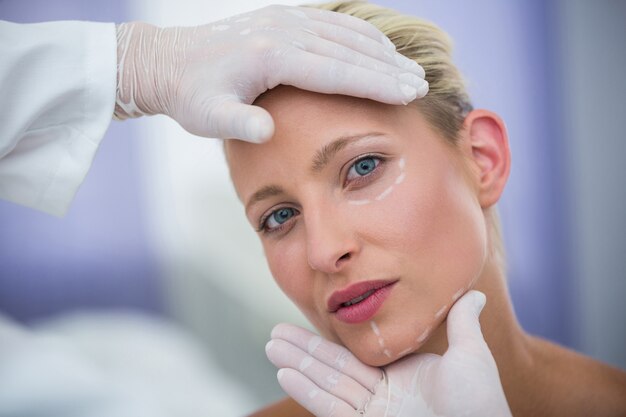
[488, 146]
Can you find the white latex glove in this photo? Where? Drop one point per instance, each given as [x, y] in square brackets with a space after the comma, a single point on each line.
[328, 380]
[206, 77]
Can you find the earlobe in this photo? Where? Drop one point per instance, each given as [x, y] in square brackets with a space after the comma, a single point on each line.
[489, 143]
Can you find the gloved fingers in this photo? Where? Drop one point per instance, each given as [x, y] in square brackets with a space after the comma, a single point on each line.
[348, 40]
[310, 396]
[360, 58]
[231, 119]
[313, 72]
[463, 325]
[350, 22]
[286, 355]
[331, 354]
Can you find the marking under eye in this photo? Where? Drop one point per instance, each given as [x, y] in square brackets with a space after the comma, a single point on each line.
[385, 193]
[399, 179]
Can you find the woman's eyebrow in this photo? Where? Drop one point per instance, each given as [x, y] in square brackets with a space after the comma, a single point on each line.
[327, 152]
[263, 193]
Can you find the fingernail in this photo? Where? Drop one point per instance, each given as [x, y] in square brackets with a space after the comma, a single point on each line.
[388, 43]
[258, 131]
[480, 299]
[268, 346]
[409, 93]
[411, 79]
[406, 63]
[423, 90]
[280, 373]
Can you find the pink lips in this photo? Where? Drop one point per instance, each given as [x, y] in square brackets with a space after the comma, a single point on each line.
[359, 301]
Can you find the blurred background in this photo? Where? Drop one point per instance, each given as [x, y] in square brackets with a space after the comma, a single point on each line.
[156, 229]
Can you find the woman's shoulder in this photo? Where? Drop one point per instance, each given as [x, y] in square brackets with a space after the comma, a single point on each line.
[584, 381]
[283, 408]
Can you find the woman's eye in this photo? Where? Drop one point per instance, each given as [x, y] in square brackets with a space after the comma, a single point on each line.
[363, 167]
[278, 217]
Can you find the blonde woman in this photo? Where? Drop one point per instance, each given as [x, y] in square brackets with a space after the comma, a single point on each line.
[379, 222]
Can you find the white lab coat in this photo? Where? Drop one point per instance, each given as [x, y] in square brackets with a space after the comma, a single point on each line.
[58, 83]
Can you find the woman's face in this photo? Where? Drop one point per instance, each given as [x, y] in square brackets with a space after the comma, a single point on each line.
[366, 216]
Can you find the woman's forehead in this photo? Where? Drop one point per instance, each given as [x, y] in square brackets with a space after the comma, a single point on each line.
[305, 122]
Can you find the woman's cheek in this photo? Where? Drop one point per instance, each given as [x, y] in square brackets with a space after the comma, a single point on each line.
[288, 265]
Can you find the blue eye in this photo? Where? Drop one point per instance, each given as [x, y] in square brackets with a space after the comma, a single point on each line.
[278, 217]
[363, 167]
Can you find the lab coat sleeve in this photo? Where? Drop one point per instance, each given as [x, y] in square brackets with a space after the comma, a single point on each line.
[58, 84]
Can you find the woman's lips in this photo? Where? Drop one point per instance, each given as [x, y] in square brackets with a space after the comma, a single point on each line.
[359, 301]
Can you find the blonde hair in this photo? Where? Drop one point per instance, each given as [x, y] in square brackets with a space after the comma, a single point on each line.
[447, 103]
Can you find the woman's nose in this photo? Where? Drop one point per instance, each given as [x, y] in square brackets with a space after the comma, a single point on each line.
[331, 243]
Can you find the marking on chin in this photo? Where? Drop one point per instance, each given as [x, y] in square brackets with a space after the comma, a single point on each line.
[405, 352]
[387, 353]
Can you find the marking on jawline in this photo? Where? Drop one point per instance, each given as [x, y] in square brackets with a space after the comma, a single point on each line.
[441, 311]
[424, 335]
[406, 351]
[457, 294]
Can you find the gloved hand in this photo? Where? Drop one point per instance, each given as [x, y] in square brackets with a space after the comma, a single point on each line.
[328, 380]
[206, 77]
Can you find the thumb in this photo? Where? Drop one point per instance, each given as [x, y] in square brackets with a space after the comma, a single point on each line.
[463, 325]
[232, 119]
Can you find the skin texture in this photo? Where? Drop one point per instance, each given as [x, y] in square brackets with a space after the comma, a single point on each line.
[431, 233]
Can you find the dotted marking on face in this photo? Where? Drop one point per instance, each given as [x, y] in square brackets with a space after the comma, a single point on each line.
[406, 351]
[359, 202]
[381, 342]
[440, 311]
[313, 344]
[375, 328]
[458, 294]
[306, 362]
[387, 353]
[245, 31]
[399, 179]
[298, 13]
[424, 335]
[384, 193]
